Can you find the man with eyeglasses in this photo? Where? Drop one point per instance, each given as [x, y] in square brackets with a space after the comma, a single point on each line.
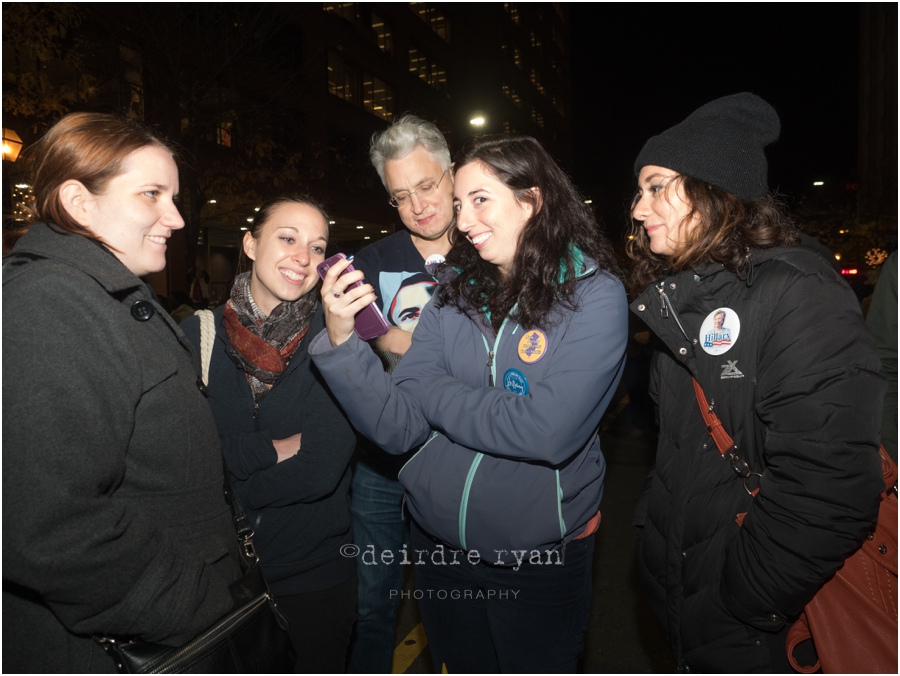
[413, 160]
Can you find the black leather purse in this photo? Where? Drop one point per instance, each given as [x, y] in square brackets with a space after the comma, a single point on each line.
[251, 639]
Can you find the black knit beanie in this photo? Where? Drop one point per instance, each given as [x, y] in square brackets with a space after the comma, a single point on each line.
[720, 143]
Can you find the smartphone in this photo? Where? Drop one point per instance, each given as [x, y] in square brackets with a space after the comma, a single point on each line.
[369, 323]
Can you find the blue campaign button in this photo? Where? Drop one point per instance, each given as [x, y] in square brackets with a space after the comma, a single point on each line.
[516, 382]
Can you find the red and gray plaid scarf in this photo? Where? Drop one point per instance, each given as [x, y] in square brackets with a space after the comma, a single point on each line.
[263, 346]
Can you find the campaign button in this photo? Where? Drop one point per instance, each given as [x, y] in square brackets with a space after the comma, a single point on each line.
[515, 382]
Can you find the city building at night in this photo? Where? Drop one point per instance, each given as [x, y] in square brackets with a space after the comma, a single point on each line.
[265, 99]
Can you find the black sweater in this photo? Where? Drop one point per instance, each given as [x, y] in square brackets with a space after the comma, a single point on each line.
[299, 509]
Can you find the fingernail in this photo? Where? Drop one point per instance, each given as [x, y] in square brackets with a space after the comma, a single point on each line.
[349, 258]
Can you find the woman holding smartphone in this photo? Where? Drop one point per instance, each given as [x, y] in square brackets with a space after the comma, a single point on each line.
[511, 368]
[285, 439]
[777, 341]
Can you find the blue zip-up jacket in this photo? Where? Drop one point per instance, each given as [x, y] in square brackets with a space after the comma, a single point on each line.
[511, 456]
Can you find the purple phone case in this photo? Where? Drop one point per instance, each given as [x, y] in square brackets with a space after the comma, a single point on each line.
[369, 322]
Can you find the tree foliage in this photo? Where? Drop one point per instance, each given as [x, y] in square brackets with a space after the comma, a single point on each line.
[36, 35]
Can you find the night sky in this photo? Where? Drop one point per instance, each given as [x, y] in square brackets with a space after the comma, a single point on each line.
[641, 68]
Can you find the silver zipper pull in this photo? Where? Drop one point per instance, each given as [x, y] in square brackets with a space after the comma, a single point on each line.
[663, 309]
[490, 363]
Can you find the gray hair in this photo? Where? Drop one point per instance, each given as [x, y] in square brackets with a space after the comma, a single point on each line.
[402, 137]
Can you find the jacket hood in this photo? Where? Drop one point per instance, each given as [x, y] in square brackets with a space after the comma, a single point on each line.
[583, 266]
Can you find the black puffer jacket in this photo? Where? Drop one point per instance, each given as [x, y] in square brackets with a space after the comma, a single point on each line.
[798, 388]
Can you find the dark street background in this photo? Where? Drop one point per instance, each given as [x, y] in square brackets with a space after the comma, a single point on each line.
[639, 68]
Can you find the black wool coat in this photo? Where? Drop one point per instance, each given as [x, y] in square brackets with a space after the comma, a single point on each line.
[299, 508]
[114, 516]
[799, 390]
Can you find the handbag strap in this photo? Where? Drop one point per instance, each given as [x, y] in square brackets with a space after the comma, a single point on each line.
[714, 427]
[238, 515]
[726, 447]
[725, 444]
[207, 338]
[239, 519]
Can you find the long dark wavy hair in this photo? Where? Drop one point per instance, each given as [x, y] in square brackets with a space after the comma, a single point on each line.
[543, 271]
[726, 230]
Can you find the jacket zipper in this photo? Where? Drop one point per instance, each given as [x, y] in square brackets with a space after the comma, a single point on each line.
[666, 307]
[171, 664]
[492, 378]
[559, 498]
[464, 504]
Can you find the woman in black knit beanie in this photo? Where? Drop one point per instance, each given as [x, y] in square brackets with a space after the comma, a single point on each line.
[726, 562]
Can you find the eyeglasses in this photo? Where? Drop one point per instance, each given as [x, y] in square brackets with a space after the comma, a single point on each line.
[402, 199]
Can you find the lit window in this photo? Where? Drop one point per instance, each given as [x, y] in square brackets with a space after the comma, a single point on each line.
[359, 88]
[536, 81]
[433, 18]
[513, 11]
[378, 98]
[428, 70]
[511, 94]
[347, 10]
[342, 79]
[382, 34]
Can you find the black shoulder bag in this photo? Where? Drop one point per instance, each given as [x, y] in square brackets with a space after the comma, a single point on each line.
[251, 639]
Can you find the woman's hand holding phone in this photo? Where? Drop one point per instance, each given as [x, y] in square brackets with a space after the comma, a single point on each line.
[341, 302]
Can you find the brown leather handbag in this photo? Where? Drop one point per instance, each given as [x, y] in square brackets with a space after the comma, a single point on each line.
[852, 619]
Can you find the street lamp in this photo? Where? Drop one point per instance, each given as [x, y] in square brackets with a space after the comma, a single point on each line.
[477, 121]
[12, 145]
